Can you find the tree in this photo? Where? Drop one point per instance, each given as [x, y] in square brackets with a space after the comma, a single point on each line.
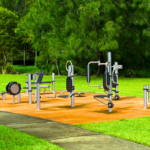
[8, 38]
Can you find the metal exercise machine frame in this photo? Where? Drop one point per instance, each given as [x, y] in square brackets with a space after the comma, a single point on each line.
[12, 88]
[46, 86]
[29, 88]
[69, 84]
[38, 86]
[3, 95]
[109, 86]
[146, 95]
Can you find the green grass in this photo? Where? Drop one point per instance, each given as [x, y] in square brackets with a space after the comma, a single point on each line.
[127, 86]
[11, 139]
[25, 69]
[136, 130]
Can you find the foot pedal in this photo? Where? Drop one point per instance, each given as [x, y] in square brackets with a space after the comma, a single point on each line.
[79, 93]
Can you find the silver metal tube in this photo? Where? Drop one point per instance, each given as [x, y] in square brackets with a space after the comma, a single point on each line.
[29, 89]
[116, 72]
[53, 79]
[38, 95]
[103, 64]
[110, 86]
[3, 95]
[13, 99]
[147, 93]
[88, 73]
[145, 96]
[71, 73]
[35, 80]
[19, 97]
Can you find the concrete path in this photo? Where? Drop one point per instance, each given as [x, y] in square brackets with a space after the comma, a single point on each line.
[64, 135]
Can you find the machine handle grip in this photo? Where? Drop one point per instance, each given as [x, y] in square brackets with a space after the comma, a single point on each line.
[88, 73]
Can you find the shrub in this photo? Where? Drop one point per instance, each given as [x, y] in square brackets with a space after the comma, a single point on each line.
[9, 68]
[0, 69]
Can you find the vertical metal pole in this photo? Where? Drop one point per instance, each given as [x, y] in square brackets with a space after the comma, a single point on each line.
[19, 97]
[3, 95]
[38, 95]
[110, 86]
[116, 73]
[71, 73]
[145, 96]
[24, 57]
[53, 79]
[35, 80]
[147, 93]
[29, 89]
[13, 99]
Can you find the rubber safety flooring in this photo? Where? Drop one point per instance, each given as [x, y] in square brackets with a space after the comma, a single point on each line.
[52, 121]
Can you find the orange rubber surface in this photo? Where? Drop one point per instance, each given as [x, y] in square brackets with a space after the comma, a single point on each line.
[86, 110]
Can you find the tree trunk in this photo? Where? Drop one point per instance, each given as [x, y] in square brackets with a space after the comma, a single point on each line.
[100, 57]
[3, 70]
[57, 67]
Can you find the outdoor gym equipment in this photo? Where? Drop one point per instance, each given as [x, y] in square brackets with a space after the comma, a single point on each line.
[37, 87]
[70, 88]
[34, 76]
[146, 95]
[3, 95]
[110, 79]
[14, 88]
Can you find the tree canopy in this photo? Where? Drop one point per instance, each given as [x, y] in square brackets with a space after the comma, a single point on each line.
[8, 38]
[85, 30]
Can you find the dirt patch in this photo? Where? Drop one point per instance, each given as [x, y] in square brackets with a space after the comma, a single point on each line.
[86, 110]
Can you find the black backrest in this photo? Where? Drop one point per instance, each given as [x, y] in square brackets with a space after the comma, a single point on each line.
[69, 86]
[40, 77]
[106, 77]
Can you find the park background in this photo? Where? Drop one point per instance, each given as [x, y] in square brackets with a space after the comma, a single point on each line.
[42, 35]
[46, 34]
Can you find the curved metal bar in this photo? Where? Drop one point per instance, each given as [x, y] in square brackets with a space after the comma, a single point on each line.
[67, 63]
[100, 101]
[49, 93]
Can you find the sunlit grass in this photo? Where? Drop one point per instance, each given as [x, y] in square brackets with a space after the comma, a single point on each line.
[127, 86]
[11, 139]
[135, 130]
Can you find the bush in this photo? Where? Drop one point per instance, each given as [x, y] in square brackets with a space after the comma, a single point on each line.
[137, 73]
[0, 69]
[9, 69]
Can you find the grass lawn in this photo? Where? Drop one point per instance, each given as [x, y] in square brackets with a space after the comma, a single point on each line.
[136, 130]
[127, 86]
[11, 139]
[25, 69]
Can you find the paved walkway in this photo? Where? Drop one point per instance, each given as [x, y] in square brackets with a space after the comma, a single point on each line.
[64, 135]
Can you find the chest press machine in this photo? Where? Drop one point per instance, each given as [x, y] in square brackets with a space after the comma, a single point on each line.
[110, 80]
[70, 88]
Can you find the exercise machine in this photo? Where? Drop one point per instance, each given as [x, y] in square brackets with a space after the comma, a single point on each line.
[110, 80]
[3, 95]
[34, 76]
[14, 88]
[70, 88]
[146, 95]
[38, 87]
